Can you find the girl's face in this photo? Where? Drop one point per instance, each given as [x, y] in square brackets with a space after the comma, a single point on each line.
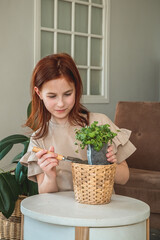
[59, 98]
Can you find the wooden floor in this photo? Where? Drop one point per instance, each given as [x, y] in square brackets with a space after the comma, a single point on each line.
[154, 234]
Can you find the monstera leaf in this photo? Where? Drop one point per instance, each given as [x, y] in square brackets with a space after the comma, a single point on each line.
[7, 143]
[9, 192]
[27, 187]
[14, 183]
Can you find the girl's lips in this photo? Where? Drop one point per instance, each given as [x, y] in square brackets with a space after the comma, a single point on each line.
[60, 110]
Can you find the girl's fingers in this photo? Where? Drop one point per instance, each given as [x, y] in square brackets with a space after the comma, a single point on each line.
[110, 151]
[49, 167]
[48, 164]
[41, 153]
[48, 155]
[43, 164]
[110, 148]
[47, 159]
[109, 154]
[51, 149]
[111, 157]
[44, 151]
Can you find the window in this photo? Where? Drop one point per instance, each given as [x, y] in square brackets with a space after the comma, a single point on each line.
[81, 29]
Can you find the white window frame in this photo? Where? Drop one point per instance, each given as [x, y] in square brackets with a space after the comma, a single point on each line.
[104, 97]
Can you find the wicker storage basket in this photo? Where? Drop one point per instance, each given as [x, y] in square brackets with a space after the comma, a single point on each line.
[10, 229]
[93, 184]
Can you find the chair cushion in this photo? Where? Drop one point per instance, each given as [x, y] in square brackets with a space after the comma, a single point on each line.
[143, 119]
[143, 185]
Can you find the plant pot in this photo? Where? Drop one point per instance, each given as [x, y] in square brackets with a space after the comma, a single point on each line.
[93, 184]
[10, 229]
[97, 158]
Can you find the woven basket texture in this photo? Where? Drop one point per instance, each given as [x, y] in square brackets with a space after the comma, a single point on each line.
[10, 229]
[93, 184]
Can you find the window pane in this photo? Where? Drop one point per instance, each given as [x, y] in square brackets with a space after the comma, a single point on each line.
[64, 43]
[47, 13]
[97, 1]
[83, 0]
[83, 74]
[81, 44]
[95, 85]
[96, 21]
[81, 18]
[64, 15]
[85, 41]
[96, 52]
[46, 43]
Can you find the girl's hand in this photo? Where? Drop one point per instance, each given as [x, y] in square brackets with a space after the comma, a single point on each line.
[47, 161]
[111, 157]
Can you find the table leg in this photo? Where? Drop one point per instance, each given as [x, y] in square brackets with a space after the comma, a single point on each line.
[147, 229]
[81, 233]
[22, 224]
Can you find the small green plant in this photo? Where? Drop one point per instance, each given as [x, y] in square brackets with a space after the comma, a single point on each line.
[94, 135]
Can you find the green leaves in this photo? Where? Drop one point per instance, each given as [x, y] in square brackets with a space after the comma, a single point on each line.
[9, 191]
[7, 143]
[14, 183]
[20, 173]
[95, 135]
[32, 188]
[27, 187]
[29, 109]
[5, 150]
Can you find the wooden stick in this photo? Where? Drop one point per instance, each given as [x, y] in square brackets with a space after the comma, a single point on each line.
[36, 149]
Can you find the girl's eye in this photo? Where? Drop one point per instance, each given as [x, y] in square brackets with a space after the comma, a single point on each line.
[51, 96]
[68, 94]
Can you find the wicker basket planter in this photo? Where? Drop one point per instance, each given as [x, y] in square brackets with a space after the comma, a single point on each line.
[10, 229]
[93, 184]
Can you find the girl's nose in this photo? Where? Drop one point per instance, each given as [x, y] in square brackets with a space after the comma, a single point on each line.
[60, 102]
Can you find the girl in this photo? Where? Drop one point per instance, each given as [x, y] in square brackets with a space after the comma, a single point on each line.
[56, 90]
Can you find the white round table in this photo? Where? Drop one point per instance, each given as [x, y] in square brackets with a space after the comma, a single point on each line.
[58, 216]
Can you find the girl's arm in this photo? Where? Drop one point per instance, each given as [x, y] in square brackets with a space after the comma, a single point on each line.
[122, 173]
[47, 180]
[122, 170]
[45, 184]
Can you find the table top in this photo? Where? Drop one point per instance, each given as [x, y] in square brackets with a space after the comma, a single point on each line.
[62, 209]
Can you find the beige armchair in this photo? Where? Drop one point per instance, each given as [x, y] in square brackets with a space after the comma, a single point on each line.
[143, 119]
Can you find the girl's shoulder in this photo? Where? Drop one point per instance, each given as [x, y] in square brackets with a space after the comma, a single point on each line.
[99, 117]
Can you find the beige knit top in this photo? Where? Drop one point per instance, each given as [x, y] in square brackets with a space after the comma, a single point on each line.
[62, 137]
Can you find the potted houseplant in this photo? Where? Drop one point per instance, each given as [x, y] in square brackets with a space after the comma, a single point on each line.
[96, 138]
[14, 183]
[93, 182]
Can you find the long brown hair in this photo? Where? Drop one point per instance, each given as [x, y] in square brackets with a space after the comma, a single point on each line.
[49, 68]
